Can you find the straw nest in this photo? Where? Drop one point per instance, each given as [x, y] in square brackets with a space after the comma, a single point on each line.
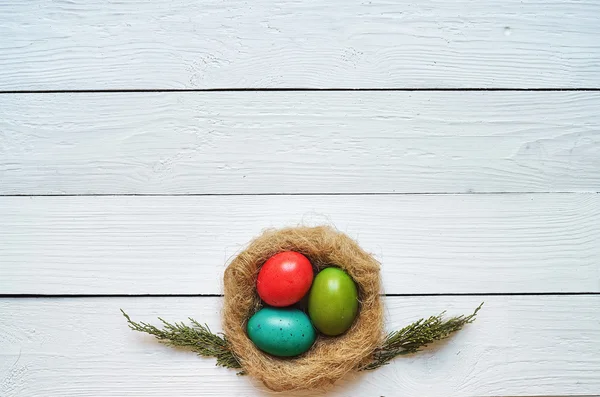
[330, 358]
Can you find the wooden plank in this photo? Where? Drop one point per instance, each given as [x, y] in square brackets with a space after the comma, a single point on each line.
[299, 142]
[83, 44]
[180, 245]
[519, 346]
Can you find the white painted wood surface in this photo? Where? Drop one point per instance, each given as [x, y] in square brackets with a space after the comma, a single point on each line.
[299, 142]
[518, 346]
[84, 44]
[214, 168]
[507, 243]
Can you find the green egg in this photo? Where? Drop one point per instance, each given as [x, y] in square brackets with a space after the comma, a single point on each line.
[283, 332]
[333, 301]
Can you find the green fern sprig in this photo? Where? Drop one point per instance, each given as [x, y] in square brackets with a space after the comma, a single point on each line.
[198, 338]
[415, 336]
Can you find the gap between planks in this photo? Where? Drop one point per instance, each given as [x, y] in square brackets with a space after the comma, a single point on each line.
[304, 89]
[482, 294]
[289, 194]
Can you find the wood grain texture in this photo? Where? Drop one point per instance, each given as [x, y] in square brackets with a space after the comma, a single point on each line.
[299, 142]
[519, 346]
[180, 245]
[83, 44]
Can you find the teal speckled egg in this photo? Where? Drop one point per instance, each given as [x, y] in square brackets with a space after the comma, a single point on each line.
[282, 332]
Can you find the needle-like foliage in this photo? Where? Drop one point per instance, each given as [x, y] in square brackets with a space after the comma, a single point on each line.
[409, 339]
[196, 337]
[415, 336]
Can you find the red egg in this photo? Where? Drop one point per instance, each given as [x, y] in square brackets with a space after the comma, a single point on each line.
[284, 279]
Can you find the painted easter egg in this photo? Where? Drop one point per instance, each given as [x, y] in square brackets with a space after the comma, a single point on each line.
[282, 332]
[284, 279]
[333, 301]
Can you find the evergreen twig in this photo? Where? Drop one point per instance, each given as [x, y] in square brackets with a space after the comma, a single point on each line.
[201, 340]
[197, 338]
[413, 337]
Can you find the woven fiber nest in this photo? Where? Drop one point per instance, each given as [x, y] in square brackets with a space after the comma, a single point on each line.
[362, 347]
[330, 358]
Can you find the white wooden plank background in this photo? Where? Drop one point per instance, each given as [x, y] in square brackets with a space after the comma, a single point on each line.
[295, 142]
[83, 44]
[152, 192]
[532, 345]
[180, 245]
